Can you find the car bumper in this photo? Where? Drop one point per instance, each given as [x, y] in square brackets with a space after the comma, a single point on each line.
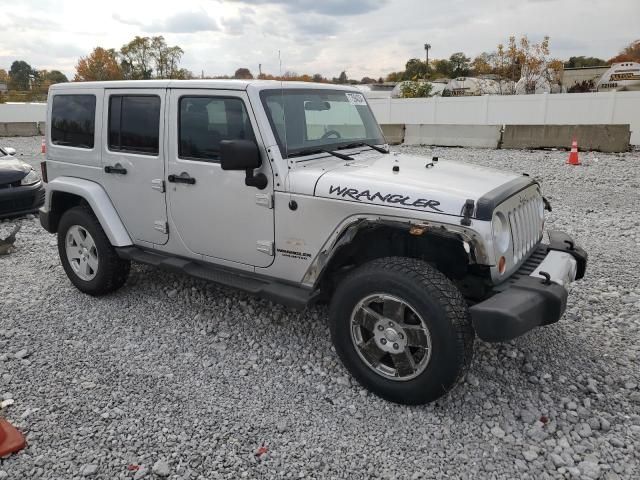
[21, 200]
[531, 299]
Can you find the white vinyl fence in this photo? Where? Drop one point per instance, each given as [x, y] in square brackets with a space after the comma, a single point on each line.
[23, 112]
[543, 109]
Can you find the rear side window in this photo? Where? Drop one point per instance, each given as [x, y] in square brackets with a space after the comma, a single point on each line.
[205, 121]
[73, 120]
[134, 123]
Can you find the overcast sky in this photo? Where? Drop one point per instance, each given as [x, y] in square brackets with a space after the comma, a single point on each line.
[363, 37]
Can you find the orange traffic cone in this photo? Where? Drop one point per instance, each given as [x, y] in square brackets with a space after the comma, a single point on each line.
[43, 146]
[11, 440]
[573, 155]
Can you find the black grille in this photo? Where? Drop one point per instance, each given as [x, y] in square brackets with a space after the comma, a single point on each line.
[535, 259]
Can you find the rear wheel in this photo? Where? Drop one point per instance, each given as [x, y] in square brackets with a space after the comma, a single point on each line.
[402, 329]
[87, 256]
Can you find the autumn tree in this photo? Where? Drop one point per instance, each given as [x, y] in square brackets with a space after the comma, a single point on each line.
[630, 53]
[481, 65]
[4, 76]
[101, 64]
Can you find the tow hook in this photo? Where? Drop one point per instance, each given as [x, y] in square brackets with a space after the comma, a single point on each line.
[547, 278]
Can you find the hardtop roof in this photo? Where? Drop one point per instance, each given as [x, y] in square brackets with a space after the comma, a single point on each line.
[231, 84]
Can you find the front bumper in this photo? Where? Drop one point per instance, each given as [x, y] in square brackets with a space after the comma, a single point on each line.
[534, 296]
[21, 200]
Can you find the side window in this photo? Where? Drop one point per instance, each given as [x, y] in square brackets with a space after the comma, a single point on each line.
[205, 121]
[134, 124]
[73, 120]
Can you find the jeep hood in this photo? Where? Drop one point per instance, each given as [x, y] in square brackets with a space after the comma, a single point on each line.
[12, 170]
[405, 181]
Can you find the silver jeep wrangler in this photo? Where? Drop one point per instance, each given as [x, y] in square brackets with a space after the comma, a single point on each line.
[289, 191]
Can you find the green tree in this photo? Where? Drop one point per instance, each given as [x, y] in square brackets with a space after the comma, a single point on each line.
[243, 73]
[137, 58]
[416, 89]
[395, 76]
[443, 68]
[166, 59]
[582, 61]
[415, 69]
[20, 75]
[461, 64]
[343, 77]
[56, 76]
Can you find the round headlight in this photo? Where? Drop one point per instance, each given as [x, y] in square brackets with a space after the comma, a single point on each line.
[31, 178]
[501, 235]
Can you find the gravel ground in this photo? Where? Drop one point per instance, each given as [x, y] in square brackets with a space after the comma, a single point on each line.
[173, 377]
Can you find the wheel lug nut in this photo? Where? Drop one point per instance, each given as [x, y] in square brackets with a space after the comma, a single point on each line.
[391, 324]
[383, 341]
[396, 346]
[401, 336]
[380, 327]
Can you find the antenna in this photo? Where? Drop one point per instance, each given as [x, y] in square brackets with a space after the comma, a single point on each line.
[284, 113]
[292, 203]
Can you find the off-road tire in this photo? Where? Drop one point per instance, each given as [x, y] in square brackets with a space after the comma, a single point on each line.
[112, 271]
[435, 299]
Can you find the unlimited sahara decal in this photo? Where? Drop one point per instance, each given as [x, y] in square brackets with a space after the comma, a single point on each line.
[357, 195]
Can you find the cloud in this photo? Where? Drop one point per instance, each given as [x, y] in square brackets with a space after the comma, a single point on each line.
[325, 7]
[236, 25]
[184, 22]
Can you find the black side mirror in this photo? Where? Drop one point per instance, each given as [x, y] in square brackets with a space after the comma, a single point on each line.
[243, 155]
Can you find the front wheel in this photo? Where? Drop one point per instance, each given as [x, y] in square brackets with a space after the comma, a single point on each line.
[402, 329]
[87, 256]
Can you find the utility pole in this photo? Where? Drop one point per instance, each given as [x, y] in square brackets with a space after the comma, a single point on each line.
[427, 47]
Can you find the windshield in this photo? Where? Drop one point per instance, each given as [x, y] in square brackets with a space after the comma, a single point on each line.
[313, 120]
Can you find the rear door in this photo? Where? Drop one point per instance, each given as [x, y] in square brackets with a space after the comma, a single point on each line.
[133, 160]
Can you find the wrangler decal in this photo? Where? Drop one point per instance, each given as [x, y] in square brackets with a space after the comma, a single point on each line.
[355, 194]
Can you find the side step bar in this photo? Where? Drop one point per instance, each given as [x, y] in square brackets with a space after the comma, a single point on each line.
[289, 295]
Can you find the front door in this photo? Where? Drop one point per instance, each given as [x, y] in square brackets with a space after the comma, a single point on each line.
[133, 161]
[213, 211]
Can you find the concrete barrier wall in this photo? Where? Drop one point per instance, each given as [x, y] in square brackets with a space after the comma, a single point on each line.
[22, 129]
[605, 138]
[484, 136]
[603, 108]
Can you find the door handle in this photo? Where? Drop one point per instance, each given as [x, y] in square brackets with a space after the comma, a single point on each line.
[182, 178]
[117, 168]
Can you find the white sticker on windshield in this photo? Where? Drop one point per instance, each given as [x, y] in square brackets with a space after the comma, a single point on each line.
[355, 98]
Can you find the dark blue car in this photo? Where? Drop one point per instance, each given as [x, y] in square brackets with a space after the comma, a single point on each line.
[21, 189]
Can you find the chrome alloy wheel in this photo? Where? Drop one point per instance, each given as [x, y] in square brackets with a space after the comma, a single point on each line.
[82, 253]
[390, 337]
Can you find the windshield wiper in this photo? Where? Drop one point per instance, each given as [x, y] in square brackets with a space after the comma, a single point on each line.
[311, 151]
[365, 144]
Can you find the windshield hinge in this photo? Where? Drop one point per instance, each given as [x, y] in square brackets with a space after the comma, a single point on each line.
[161, 226]
[264, 199]
[265, 246]
[158, 184]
